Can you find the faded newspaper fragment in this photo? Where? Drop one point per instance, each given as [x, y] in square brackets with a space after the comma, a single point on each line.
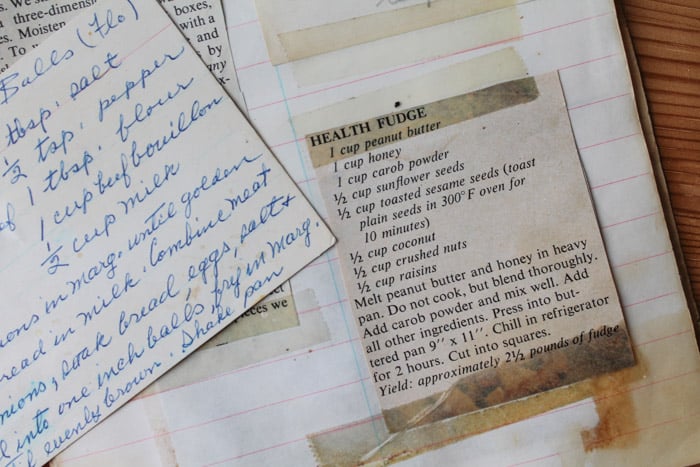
[204, 26]
[474, 261]
[275, 313]
[24, 24]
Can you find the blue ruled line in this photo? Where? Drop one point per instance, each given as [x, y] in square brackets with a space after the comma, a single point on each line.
[330, 264]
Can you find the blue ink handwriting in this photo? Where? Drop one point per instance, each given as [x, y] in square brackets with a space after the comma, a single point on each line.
[15, 333]
[153, 222]
[125, 321]
[53, 260]
[108, 264]
[209, 261]
[24, 363]
[189, 312]
[248, 193]
[101, 342]
[13, 169]
[9, 87]
[104, 183]
[63, 173]
[79, 205]
[53, 145]
[234, 281]
[208, 183]
[96, 74]
[102, 26]
[141, 195]
[20, 403]
[190, 338]
[90, 417]
[18, 129]
[118, 290]
[108, 220]
[142, 113]
[272, 209]
[121, 364]
[129, 85]
[251, 290]
[7, 222]
[184, 123]
[111, 398]
[75, 398]
[156, 256]
[40, 425]
[287, 239]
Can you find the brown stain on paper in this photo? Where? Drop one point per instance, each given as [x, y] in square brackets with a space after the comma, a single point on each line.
[617, 426]
[515, 380]
[349, 446]
[439, 420]
[159, 426]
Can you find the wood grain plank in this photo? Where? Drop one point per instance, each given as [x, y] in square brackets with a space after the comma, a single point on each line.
[666, 38]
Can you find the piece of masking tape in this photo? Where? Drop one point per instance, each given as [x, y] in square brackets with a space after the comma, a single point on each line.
[300, 44]
[491, 29]
[461, 78]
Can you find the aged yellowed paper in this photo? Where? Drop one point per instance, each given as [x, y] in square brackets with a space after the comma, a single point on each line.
[471, 251]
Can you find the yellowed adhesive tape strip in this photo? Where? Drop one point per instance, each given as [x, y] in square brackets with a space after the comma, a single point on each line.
[373, 443]
[394, 52]
[317, 40]
[461, 78]
[369, 442]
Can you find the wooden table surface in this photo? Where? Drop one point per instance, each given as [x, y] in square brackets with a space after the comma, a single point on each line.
[666, 39]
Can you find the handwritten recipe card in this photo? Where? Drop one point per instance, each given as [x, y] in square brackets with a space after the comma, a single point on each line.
[139, 215]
